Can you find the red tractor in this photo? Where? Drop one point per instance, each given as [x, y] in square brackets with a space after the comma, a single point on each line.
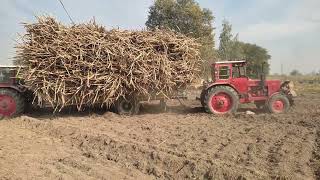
[12, 99]
[230, 86]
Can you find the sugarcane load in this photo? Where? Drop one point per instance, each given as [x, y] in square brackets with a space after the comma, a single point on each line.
[86, 64]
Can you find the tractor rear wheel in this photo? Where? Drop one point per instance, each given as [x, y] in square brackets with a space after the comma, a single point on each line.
[221, 100]
[278, 103]
[202, 97]
[127, 106]
[11, 103]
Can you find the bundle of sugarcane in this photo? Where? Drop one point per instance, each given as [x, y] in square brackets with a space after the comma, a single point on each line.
[86, 64]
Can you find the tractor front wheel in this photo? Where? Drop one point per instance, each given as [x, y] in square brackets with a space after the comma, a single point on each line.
[221, 100]
[278, 103]
[11, 103]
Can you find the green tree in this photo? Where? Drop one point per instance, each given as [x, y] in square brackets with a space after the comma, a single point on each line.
[187, 17]
[225, 41]
[236, 52]
[230, 46]
[256, 57]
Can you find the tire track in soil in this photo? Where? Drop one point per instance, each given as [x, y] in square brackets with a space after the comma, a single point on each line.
[316, 156]
[167, 162]
[33, 154]
[91, 169]
[250, 148]
[150, 160]
[278, 156]
[274, 159]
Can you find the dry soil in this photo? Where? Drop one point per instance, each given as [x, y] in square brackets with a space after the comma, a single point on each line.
[182, 143]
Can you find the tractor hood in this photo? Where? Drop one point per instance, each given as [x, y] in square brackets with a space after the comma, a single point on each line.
[272, 85]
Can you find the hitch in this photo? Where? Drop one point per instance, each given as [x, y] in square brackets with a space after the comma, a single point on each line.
[263, 79]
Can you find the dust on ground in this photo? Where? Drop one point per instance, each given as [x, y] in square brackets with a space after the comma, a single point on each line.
[182, 143]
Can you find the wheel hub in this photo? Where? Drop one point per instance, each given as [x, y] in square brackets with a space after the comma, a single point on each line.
[4, 105]
[221, 103]
[278, 105]
[7, 105]
[127, 106]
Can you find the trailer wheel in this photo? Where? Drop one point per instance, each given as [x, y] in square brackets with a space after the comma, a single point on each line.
[127, 106]
[221, 100]
[11, 103]
[278, 103]
[163, 105]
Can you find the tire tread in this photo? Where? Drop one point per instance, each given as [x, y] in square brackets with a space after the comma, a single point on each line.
[227, 89]
[20, 102]
[277, 96]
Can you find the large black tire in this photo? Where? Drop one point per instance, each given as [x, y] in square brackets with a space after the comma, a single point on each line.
[278, 103]
[126, 106]
[223, 93]
[202, 97]
[12, 103]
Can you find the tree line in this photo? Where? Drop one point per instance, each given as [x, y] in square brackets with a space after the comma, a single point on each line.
[187, 17]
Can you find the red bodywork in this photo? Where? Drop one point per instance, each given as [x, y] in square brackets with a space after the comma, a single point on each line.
[249, 90]
[9, 82]
[8, 105]
[8, 78]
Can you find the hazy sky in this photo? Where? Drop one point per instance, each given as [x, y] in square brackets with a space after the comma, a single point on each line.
[289, 29]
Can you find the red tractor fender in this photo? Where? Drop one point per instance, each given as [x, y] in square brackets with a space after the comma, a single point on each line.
[209, 86]
[289, 96]
[273, 94]
[19, 89]
[220, 84]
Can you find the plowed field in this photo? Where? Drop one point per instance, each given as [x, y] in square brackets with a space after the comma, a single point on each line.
[182, 143]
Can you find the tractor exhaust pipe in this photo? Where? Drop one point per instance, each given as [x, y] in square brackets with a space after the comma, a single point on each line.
[263, 78]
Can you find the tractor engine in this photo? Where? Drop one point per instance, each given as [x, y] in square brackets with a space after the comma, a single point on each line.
[256, 91]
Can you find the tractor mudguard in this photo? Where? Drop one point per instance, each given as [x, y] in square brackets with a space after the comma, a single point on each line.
[19, 89]
[221, 84]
